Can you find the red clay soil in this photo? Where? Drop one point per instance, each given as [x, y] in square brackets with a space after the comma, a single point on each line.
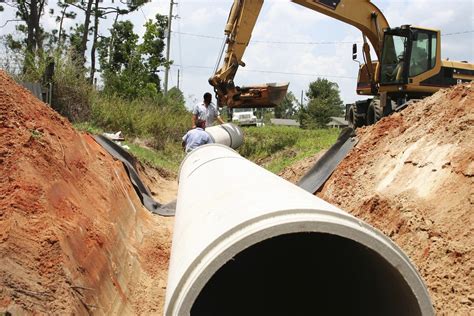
[412, 176]
[294, 172]
[74, 237]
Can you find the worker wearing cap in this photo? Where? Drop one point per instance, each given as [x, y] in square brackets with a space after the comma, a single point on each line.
[196, 136]
[207, 111]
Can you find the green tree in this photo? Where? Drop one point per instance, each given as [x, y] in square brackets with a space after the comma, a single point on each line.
[120, 63]
[29, 13]
[153, 46]
[288, 107]
[131, 69]
[92, 9]
[75, 35]
[177, 98]
[101, 12]
[64, 14]
[324, 102]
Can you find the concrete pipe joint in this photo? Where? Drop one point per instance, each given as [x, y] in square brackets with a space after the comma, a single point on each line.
[226, 134]
[247, 242]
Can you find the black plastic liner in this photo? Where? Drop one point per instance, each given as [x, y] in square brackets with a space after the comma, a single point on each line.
[130, 164]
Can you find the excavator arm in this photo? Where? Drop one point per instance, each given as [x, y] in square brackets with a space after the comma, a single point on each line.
[362, 14]
[238, 31]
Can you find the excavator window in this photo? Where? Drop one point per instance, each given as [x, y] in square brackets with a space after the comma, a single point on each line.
[420, 59]
[393, 57]
[407, 53]
[329, 3]
[433, 50]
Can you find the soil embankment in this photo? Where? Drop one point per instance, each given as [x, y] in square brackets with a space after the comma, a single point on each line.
[74, 237]
[412, 176]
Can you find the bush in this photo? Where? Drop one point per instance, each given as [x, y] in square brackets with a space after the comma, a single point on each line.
[72, 93]
[157, 119]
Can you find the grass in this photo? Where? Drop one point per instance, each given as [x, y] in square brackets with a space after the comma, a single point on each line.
[88, 127]
[272, 147]
[36, 134]
[153, 119]
[170, 158]
[276, 147]
[160, 123]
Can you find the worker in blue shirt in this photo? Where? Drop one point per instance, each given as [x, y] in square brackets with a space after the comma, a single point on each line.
[196, 136]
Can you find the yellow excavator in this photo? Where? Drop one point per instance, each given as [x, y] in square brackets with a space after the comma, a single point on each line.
[408, 67]
[408, 64]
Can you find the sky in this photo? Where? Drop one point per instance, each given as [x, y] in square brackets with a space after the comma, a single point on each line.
[314, 45]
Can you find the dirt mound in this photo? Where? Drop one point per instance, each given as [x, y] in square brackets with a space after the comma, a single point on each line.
[74, 236]
[294, 172]
[411, 176]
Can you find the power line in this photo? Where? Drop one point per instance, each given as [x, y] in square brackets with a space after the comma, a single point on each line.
[456, 33]
[199, 35]
[8, 21]
[268, 42]
[303, 43]
[299, 42]
[273, 72]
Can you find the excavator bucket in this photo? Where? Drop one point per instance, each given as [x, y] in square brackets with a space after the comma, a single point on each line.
[259, 96]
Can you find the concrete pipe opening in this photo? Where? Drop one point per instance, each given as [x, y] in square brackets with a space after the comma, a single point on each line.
[306, 274]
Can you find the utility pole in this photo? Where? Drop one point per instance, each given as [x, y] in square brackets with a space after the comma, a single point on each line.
[168, 40]
[178, 80]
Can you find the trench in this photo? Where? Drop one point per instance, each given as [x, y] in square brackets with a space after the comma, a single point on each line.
[306, 274]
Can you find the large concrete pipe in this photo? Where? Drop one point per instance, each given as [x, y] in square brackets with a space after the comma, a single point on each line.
[260, 245]
[226, 134]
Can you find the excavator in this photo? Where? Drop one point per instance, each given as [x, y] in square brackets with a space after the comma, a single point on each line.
[408, 67]
[408, 64]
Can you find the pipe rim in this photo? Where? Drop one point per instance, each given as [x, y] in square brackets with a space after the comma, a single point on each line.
[227, 128]
[201, 270]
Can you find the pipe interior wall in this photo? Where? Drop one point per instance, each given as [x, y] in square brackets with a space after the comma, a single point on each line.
[306, 274]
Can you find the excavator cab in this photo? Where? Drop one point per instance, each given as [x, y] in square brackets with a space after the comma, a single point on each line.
[407, 53]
